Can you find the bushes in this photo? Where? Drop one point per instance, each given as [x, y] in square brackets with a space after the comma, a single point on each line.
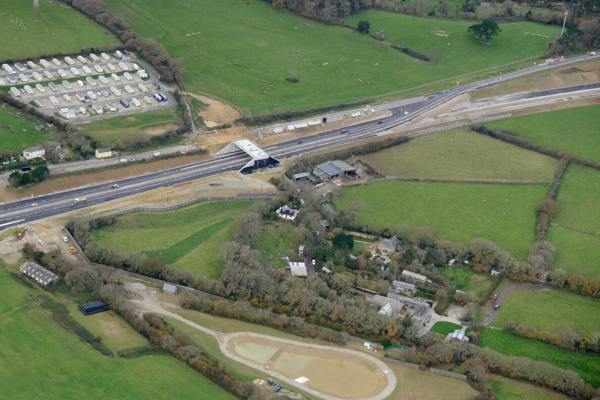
[37, 175]
[140, 351]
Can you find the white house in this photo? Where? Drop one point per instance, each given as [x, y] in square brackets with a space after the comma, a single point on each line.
[298, 269]
[103, 152]
[34, 152]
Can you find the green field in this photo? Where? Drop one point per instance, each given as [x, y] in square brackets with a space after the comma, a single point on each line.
[463, 278]
[576, 226]
[111, 132]
[57, 29]
[509, 389]
[17, 130]
[225, 54]
[189, 239]
[278, 240]
[573, 130]
[451, 47]
[503, 214]
[586, 365]
[444, 328]
[40, 359]
[551, 311]
[461, 155]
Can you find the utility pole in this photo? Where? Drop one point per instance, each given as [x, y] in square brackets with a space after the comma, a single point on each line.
[564, 24]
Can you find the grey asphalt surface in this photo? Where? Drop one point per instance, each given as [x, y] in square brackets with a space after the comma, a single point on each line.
[23, 211]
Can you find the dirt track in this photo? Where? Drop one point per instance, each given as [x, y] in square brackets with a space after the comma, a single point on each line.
[149, 302]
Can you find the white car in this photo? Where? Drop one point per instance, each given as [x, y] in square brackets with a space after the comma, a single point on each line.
[65, 239]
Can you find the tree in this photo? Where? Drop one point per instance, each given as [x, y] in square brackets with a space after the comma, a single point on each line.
[485, 30]
[364, 26]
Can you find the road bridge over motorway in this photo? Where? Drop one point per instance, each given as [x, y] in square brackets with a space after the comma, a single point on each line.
[24, 211]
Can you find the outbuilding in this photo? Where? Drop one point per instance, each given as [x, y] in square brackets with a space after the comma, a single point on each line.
[169, 288]
[298, 269]
[38, 273]
[333, 169]
[34, 152]
[93, 307]
[103, 152]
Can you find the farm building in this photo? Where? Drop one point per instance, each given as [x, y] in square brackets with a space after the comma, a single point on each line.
[388, 245]
[298, 269]
[333, 169]
[403, 287]
[419, 310]
[414, 276]
[38, 273]
[103, 152]
[304, 176]
[34, 152]
[260, 159]
[93, 307]
[169, 288]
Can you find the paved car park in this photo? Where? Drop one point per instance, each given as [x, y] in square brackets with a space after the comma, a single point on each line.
[85, 88]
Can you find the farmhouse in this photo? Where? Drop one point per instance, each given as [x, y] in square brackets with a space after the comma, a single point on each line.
[93, 307]
[103, 152]
[333, 169]
[38, 273]
[34, 152]
[419, 310]
[388, 245]
[298, 269]
[285, 212]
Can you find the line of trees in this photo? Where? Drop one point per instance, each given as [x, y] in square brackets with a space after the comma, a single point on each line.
[169, 69]
[478, 362]
[568, 340]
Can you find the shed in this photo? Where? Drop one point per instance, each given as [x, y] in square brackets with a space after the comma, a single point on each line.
[93, 307]
[34, 152]
[333, 169]
[414, 276]
[38, 273]
[302, 176]
[169, 288]
[298, 269]
[404, 287]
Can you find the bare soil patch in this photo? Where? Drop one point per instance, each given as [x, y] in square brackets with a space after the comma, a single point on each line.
[156, 130]
[216, 112]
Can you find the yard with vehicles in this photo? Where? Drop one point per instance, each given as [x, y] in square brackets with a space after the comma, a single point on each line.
[461, 155]
[137, 127]
[19, 130]
[573, 130]
[190, 238]
[46, 360]
[324, 65]
[576, 229]
[552, 311]
[55, 29]
[501, 213]
[586, 365]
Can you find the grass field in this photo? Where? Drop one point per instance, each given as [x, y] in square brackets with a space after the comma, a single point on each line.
[56, 29]
[40, 359]
[448, 42]
[573, 130]
[509, 389]
[576, 226]
[444, 328]
[504, 214]
[586, 365]
[551, 311]
[461, 155]
[463, 278]
[225, 54]
[110, 132]
[17, 130]
[189, 238]
[278, 240]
